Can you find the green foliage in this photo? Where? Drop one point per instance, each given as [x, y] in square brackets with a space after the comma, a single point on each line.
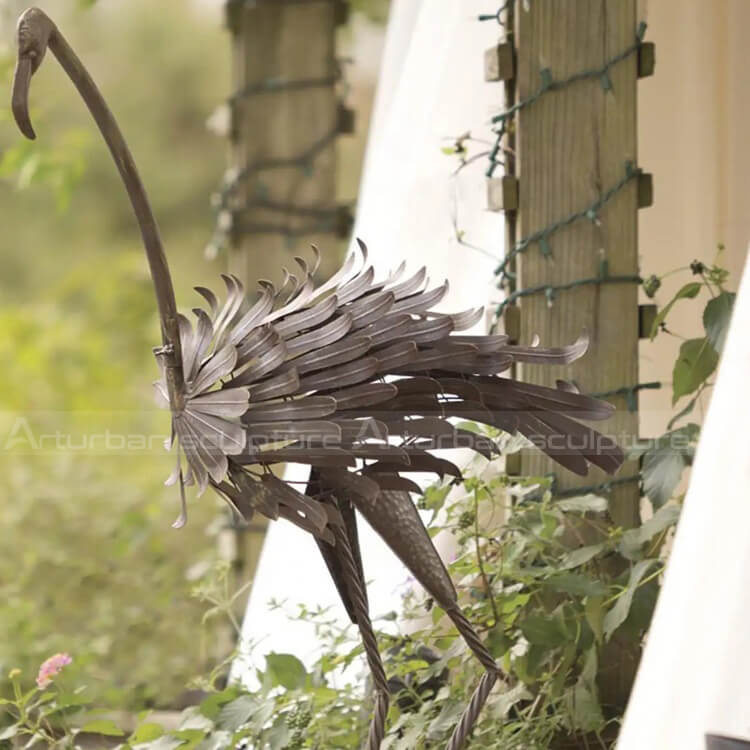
[541, 588]
[375, 10]
[665, 459]
[90, 564]
[96, 569]
[688, 291]
[696, 362]
[716, 319]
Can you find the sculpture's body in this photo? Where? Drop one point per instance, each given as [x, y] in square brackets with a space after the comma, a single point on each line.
[356, 378]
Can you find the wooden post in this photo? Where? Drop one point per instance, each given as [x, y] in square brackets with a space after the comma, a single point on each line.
[280, 195]
[285, 118]
[573, 145]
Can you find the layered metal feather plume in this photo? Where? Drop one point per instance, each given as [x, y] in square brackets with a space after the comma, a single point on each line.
[358, 378]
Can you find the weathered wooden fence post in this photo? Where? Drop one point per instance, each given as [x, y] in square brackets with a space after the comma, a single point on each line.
[572, 251]
[279, 195]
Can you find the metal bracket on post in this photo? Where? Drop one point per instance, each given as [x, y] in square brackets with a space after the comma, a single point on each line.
[232, 15]
[646, 59]
[346, 119]
[645, 190]
[646, 318]
[502, 193]
[341, 10]
[498, 62]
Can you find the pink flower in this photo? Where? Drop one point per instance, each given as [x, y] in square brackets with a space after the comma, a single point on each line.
[52, 667]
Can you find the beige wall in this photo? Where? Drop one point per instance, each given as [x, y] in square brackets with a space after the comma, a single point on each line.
[694, 123]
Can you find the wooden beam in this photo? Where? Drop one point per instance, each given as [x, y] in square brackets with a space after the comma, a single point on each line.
[498, 62]
[502, 193]
[283, 57]
[286, 107]
[573, 145]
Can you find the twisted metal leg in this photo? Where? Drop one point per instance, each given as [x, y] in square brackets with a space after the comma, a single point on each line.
[479, 698]
[355, 586]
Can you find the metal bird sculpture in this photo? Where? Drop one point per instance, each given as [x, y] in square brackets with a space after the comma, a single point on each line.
[356, 378]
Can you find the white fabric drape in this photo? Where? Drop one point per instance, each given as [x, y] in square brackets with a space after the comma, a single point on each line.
[693, 677]
[430, 87]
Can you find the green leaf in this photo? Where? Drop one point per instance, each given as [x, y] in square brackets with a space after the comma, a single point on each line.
[233, 715]
[634, 539]
[619, 613]
[543, 631]
[216, 741]
[716, 319]
[683, 413]
[594, 611]
[498, 642]
[580, 556]
[194, 718]
[160, 743]
[210, 706]
[585, 711]
[583, 504]
[103, 726]
[696, 361]
[688, 291]
[436, 614]
[146, 733]
[575, 584]
[434, 497]
[664, 461]
[662, 470]
[9, 732]
[286, 670]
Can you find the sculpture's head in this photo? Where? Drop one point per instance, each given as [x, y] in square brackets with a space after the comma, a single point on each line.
[33, 35]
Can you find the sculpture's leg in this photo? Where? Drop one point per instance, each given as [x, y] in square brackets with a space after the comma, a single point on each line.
[394, 517]
[479, 698]
[355, 586]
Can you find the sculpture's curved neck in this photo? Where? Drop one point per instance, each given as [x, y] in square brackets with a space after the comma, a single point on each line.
[36, 32]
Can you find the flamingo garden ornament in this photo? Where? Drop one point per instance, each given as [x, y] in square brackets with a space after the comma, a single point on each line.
[355, 378]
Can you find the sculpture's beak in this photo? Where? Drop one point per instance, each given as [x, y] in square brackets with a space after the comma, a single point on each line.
[20, 97]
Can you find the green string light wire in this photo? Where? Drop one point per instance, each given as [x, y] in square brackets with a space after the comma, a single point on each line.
[541, 237]
[502, 122]
[601, 487]
[548, 83]
[496, 16]
[630, 392]
[550, 290]
[274, 85]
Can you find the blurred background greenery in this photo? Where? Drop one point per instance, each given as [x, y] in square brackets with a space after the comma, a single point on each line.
[88, 561]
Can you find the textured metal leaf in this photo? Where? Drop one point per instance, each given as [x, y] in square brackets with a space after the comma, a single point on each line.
[345, 350]
[411, 285]
[271, 432]
[421, 302]
[370, 309]
[284, 384]
[216, 367]
[230, 436]
[308, 318]
[320, 337]
[341, 375]
[311, 407]
[226, 402]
